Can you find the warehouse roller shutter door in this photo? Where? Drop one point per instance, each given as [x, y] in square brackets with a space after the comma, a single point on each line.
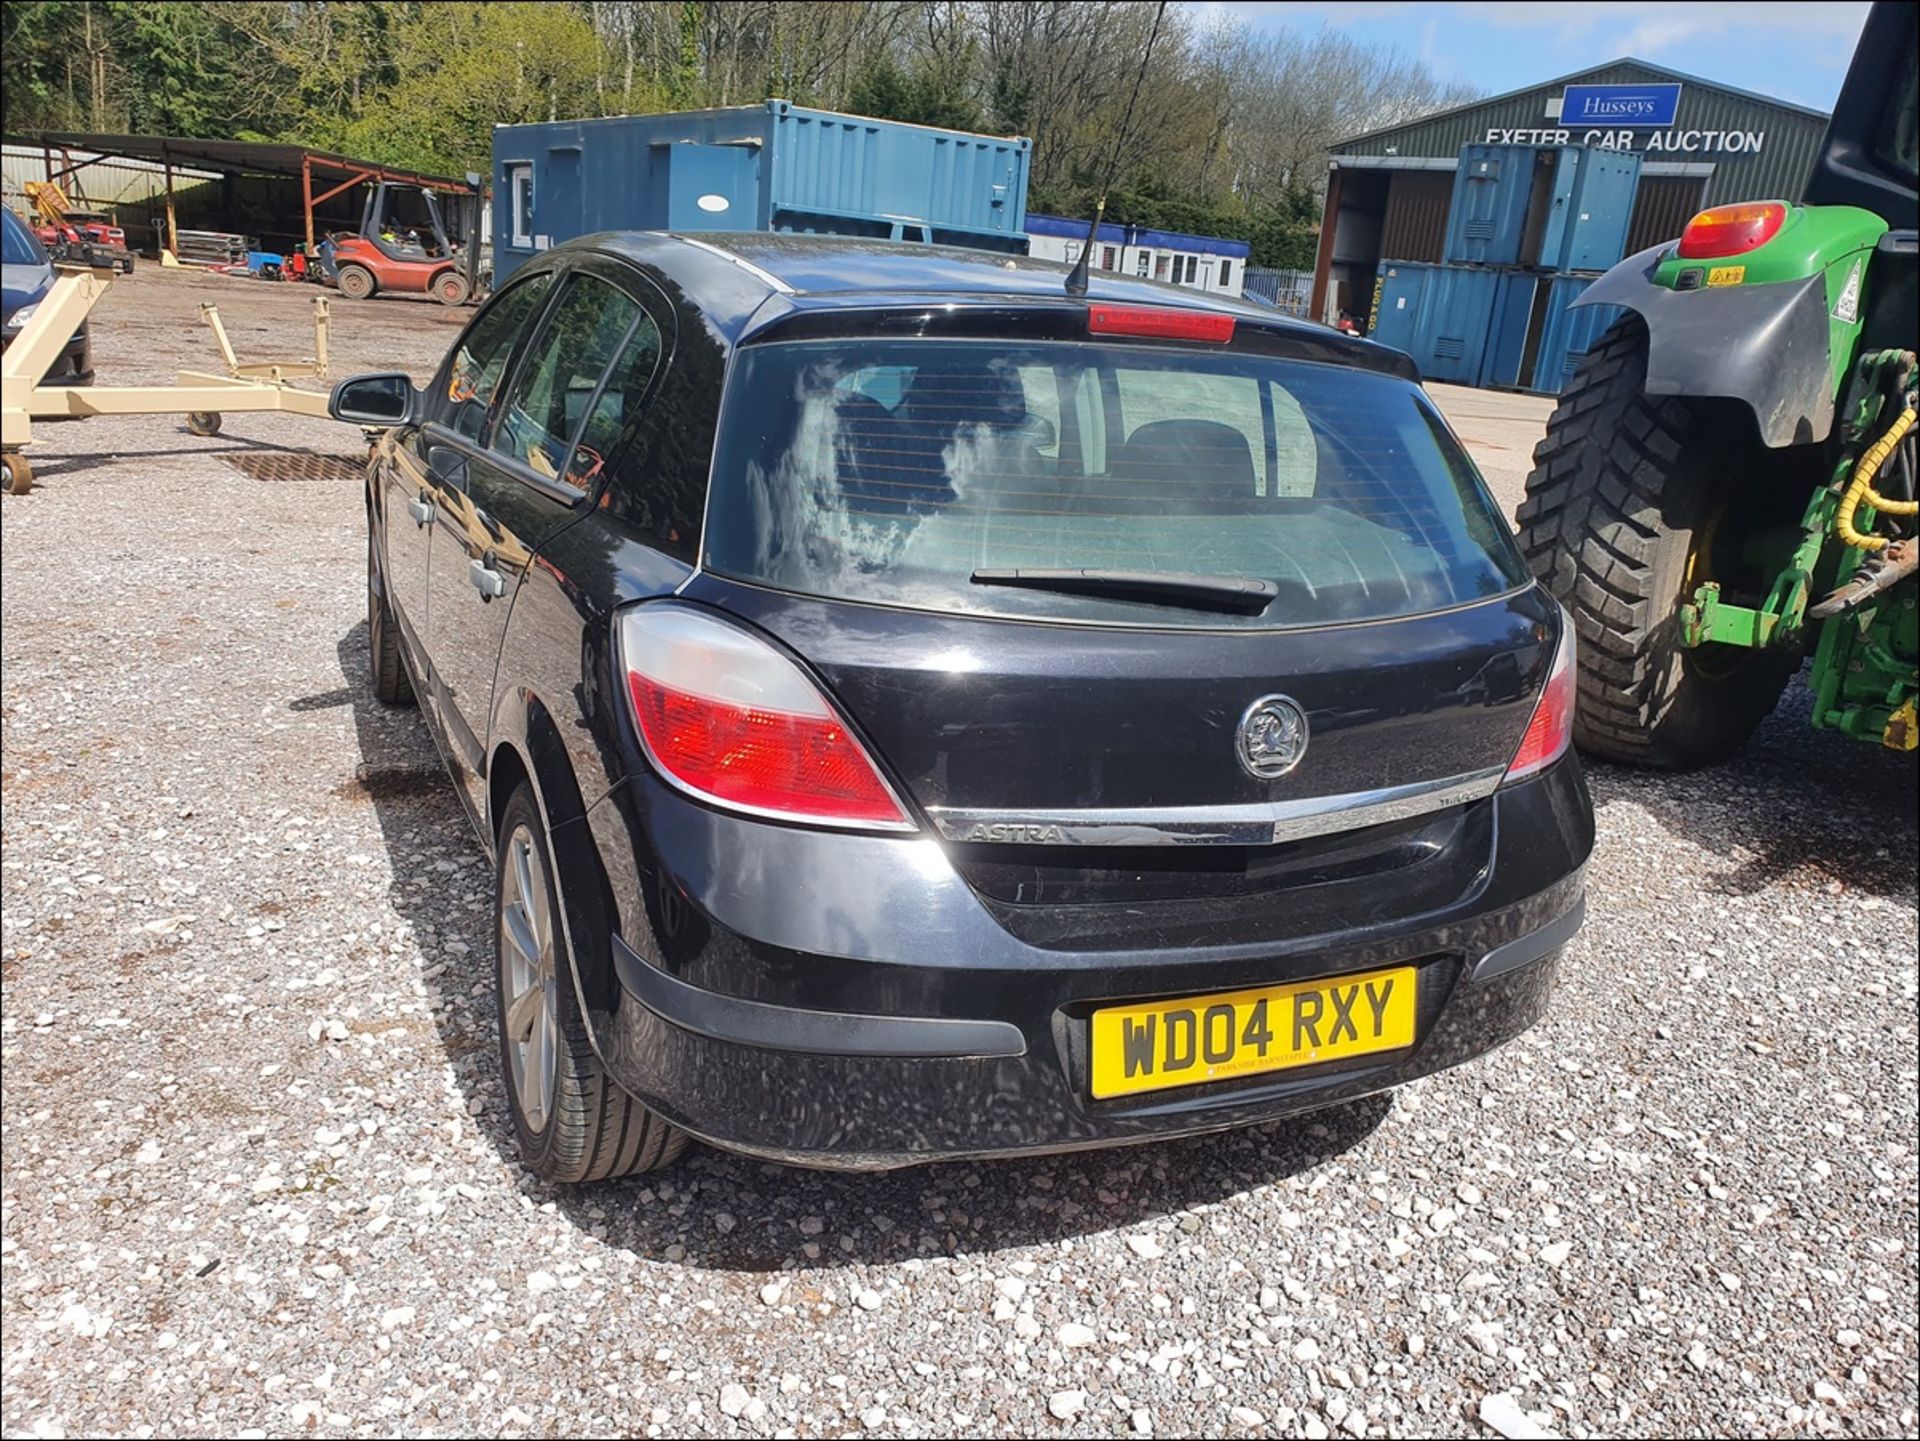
[1415, 225]
[1663, 207]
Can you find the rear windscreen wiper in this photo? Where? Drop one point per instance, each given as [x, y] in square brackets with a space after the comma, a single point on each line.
[1237, 595]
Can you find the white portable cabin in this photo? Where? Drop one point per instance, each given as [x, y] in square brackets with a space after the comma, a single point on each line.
[1199, 262]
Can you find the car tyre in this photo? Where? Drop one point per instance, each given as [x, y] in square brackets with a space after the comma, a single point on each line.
[356, 282]
[572, 1121]
[391, 683]
[1619, 523]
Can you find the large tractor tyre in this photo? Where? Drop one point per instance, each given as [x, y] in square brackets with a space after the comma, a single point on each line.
[450, 287]
[357, 282]
[1635, 501]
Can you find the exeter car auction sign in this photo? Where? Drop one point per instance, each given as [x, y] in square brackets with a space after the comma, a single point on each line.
[1629, 117]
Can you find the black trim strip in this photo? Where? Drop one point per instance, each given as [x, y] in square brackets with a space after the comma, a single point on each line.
[1532, 946]
[827, 1033]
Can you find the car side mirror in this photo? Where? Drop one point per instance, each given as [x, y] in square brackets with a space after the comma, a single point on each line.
[386, 399]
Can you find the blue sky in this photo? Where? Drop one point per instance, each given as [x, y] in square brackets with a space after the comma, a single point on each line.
[1793, 49]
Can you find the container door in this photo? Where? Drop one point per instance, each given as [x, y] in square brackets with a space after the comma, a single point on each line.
[560, 214]
[712, 187]
[1490, 195]
[1602, 210]
[1400, 288]
[1550, 209]
[1507, 335]
[1451, 334]
[1567, 333]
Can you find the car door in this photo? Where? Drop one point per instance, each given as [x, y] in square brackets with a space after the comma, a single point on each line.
[546, 445]
[458, 405]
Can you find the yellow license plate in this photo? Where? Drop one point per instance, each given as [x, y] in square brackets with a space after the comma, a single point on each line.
[1162, 1044]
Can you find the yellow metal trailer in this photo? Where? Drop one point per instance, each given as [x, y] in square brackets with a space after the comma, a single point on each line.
[199, 395]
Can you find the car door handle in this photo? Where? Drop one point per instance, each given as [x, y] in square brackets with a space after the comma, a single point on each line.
[488, 581]
[421, 509]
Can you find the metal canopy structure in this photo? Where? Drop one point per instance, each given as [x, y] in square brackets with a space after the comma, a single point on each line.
[333, 173]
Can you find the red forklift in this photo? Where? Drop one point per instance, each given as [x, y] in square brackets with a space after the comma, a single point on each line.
[404, 245]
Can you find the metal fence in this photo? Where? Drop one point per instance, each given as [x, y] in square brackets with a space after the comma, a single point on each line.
[1288, 290]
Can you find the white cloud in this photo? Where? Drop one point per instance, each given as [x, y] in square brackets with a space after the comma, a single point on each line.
[1651, 37]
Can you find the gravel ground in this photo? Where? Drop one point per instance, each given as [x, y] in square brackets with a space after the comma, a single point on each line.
[258, 1176]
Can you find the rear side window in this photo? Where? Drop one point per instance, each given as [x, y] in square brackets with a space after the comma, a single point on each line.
[1897, 141]
[892, 471]
[558, 422]
[19, 245]
[481, 357]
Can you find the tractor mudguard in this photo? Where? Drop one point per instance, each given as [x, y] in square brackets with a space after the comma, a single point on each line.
[1764, 345]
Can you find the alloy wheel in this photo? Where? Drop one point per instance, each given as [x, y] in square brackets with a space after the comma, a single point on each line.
[529, 984]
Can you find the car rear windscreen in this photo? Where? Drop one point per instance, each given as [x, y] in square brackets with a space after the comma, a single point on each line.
[911, 472]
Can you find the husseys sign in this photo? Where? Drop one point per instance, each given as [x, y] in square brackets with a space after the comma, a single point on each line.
[1630, 117]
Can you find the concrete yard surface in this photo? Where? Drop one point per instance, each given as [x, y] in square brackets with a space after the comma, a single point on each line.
[259, 1176]
[1500, 429]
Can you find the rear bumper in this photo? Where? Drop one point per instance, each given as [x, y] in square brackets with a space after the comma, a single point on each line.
[846, 1091]
[972, 1044]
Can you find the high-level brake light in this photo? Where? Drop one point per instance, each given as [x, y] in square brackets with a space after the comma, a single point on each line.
[1159, 322]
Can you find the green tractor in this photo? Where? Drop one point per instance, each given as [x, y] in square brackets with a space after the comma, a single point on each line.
[1728, 483]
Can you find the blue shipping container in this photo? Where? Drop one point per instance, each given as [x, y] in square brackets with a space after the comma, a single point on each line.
[1509, 328]
[1558, 208]
[1569, 332]
[1590, 231]
[1438, 314]
[1396, 302]
[1491, 192]
[776, 166]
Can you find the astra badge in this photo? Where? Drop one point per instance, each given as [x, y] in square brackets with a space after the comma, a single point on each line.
[1273, 736]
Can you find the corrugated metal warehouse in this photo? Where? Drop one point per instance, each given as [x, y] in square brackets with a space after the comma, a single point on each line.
[1700, 143]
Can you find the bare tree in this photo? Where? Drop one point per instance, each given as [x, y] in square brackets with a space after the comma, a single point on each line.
[1295, 96]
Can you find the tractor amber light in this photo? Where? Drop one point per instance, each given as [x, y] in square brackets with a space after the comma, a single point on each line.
[731, 721]
[1731, 230]
[1161, 324]
[1550, 732]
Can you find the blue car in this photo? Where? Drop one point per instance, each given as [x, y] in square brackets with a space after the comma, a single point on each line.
[26, 276]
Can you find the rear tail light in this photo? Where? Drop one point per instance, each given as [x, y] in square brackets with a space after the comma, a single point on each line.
[1731, 230]
[1550, 731]
[730, 720]
[1159, 322]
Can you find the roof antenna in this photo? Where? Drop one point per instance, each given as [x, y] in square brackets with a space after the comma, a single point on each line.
[1078, 278]
[1077, 281]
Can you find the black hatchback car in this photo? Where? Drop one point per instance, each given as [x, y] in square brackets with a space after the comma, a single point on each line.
[916, 712]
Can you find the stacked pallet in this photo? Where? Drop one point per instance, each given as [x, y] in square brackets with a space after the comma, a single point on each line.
[211, 247]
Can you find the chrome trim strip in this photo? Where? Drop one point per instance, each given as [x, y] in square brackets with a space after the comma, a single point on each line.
[765, 277]
[1243, 825]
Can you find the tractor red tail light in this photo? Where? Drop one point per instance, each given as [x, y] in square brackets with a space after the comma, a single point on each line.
[1731, 230]
[1550, 732]
[730, 720]
[1158, 322]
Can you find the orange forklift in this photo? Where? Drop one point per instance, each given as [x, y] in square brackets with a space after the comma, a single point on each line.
[403, 246]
